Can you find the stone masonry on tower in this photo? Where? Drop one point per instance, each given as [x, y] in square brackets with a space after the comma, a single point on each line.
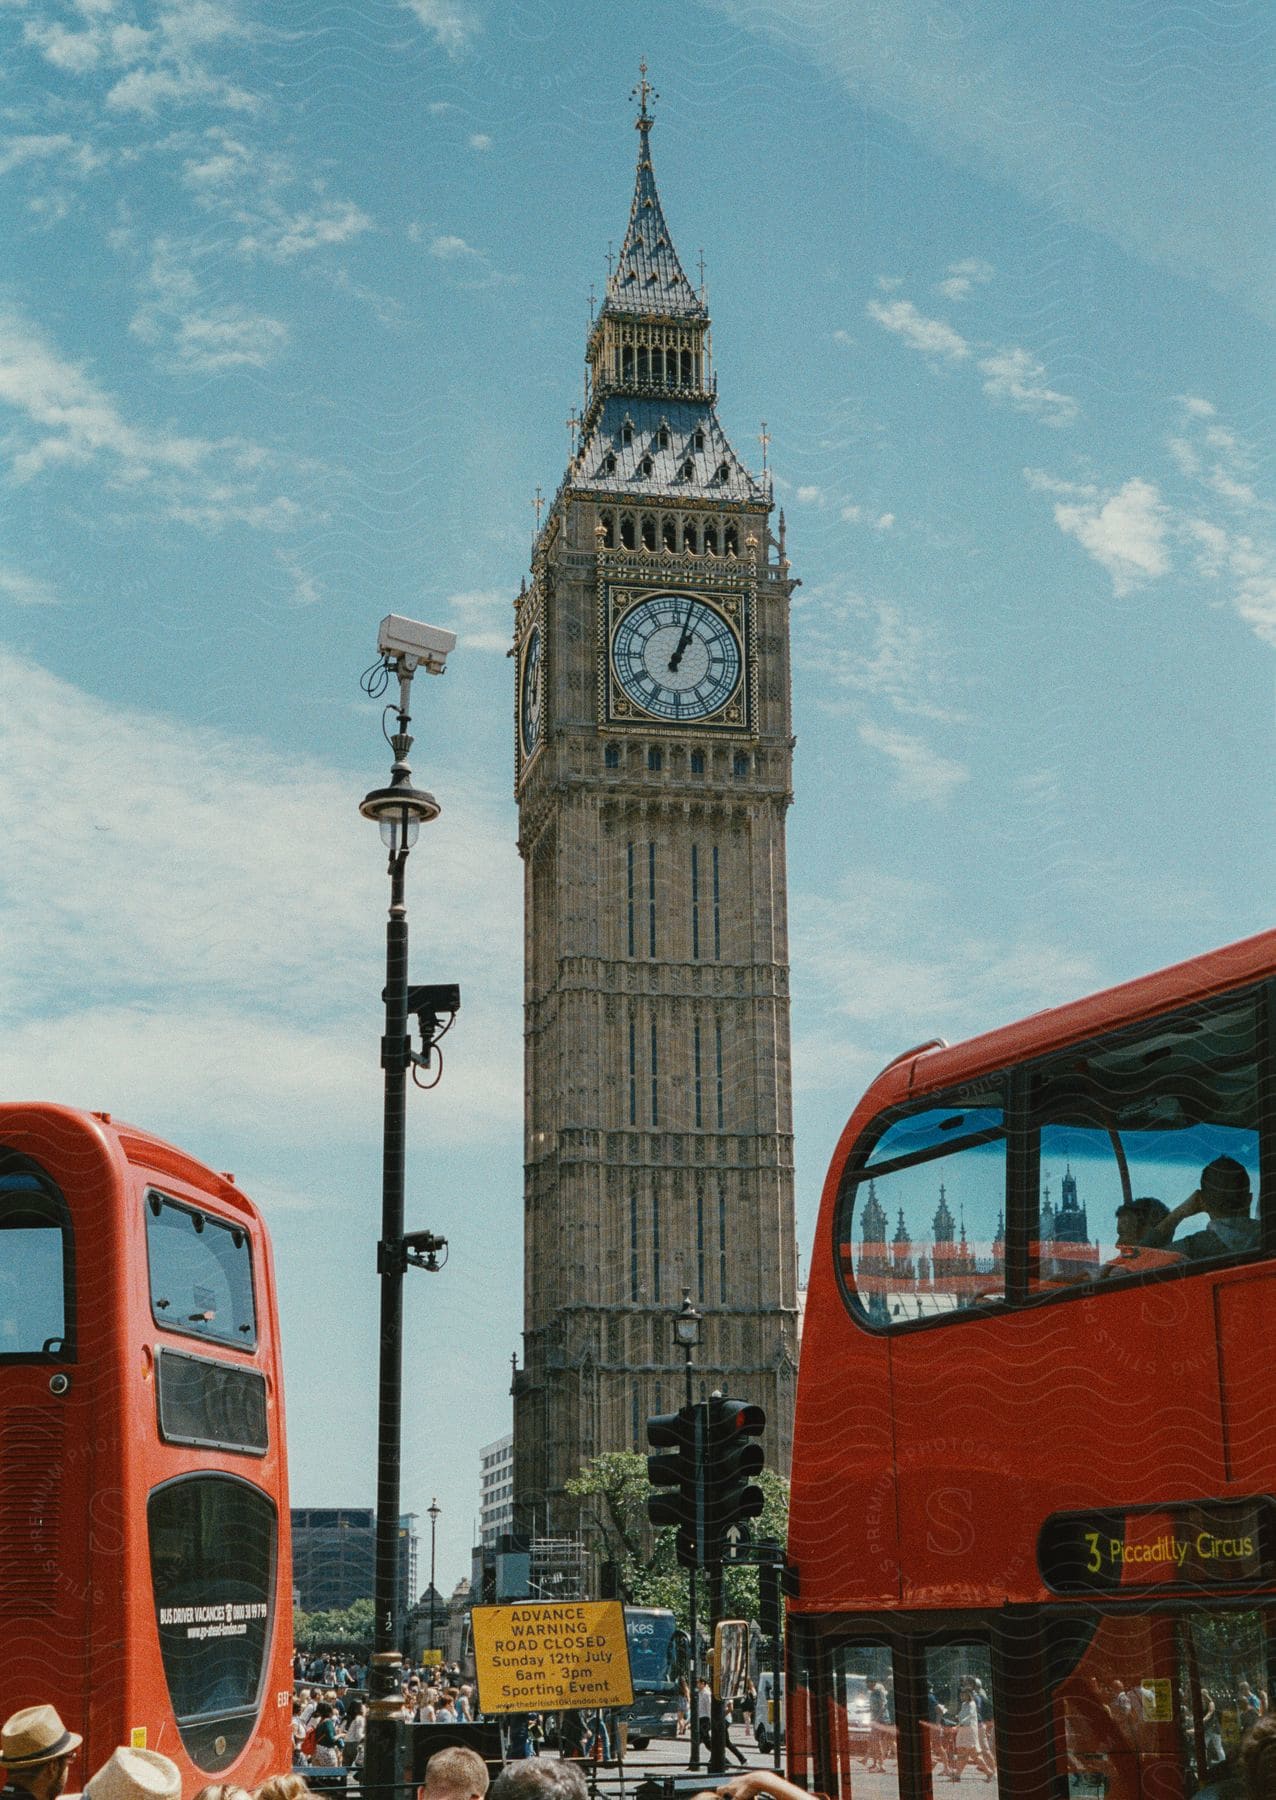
[653, 774]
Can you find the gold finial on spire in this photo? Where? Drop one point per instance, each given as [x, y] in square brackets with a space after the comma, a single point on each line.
[643, 90]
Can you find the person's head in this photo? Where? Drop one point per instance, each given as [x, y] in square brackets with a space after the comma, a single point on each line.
[283, 1787]
[539, 1778]
[129, 1774]
[219, 1790]
[1258, 1760]
[1225, 1187]
[324, 1710]
[354, 1710]
[36, 1750]
[454, 1774]
[1136, 1218]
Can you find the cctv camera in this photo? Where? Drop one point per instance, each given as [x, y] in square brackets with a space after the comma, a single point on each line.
[413, 643]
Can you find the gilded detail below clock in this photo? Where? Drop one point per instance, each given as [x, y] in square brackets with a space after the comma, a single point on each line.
[679, 658]
[530, 690]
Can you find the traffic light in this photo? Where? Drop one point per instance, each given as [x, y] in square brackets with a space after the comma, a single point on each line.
[680, 1436]
[731, 1461]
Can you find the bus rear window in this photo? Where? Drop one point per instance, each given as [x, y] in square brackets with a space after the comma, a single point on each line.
[212, 1544]
[201, 1273]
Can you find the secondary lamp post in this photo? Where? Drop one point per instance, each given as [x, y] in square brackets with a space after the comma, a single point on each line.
[686, 1332]
[433, 1510]
[399, 811]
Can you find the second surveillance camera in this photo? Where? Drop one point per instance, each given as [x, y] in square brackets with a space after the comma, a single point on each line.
[428, 645]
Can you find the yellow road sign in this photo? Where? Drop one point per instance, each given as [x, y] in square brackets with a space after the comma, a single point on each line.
[533, 1657]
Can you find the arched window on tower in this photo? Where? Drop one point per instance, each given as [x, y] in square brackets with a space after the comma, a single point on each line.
[627, 530]
[688, 470]
[608, 523]
[731, 541]
[724, 472]
[611, 756]
[689, 537]
[699, 438]
[658, 366]
[644, 467]
[697, 762]
[740, 766]
[655, 760]
[609, 463]
[648, 532]
[627, 431]
[686, 368]
[642, 364]
[711, 540]
[662, 436]
[668, 532]
[627, 362]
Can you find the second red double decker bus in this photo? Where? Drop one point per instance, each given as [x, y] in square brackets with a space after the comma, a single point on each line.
[1035, 1447]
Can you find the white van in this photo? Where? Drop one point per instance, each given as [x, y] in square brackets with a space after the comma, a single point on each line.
[768, 1719]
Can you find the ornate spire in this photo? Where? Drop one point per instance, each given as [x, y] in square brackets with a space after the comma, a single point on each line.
[648, 277]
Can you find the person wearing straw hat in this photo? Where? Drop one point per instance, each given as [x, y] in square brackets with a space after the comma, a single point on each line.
[35, 1752]
[136, 1775]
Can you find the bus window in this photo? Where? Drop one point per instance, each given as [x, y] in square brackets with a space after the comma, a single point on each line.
[1155, 1703]
[201, 1273]
[1149, 1148]
[862, 1725]
[922, 1231]
[35, 1263]
[212, 1550]
[959, 1708]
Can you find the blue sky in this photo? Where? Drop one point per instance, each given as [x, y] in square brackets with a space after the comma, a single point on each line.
[292, 315]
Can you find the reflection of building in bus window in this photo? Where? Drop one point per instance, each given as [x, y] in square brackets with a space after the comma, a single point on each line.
[1224, 1197]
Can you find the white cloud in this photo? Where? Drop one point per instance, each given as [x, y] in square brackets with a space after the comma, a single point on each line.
[164, 952]
[47, 147]
[921, 773]
[1016, 376]
[196, 338]
[483, 619]
[479, 140]
[64, 419]
[1125, 533]
[963, 277]
[474, 267]
[27, 590]
[864, 646]
[931, 336]
[810, 496]
[74, 52]
[451, 25]
[283, 237]
[1196, 407]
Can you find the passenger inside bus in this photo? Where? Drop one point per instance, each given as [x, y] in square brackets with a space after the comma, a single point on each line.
[1135, 1251]
[1224, 1197]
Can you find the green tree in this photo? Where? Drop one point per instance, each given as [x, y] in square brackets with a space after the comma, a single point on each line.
[343, 1625]
[613, 1489]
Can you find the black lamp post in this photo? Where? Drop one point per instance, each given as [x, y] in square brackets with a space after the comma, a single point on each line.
[433, 1510]
[686, 1331]
[399, 810]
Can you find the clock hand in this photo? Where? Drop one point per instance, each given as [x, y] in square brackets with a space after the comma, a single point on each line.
[684, 640]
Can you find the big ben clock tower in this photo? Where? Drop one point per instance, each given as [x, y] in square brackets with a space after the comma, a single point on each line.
[653, 773]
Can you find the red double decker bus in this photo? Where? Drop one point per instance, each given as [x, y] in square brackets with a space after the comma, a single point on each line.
[145, 1568]
[1035, 1450]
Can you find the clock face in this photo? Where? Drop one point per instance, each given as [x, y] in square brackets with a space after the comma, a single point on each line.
[529, 696]
[676, 656]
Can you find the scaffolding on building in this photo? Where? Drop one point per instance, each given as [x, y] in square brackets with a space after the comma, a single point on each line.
[559, 1568]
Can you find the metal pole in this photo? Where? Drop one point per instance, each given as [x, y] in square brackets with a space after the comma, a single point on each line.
[384, 1684]
[434, 1513]
[718, 1718]
[693, 1621]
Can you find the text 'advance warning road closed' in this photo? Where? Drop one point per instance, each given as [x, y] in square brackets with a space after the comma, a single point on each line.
[572, 1653]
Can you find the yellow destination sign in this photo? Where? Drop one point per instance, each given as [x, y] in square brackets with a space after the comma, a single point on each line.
[570, 1653]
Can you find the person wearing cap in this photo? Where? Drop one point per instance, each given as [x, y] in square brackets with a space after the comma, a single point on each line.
[35, 1752]
[129, 1774]
[1224, 1197]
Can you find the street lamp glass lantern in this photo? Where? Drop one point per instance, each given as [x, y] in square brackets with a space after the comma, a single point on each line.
[399, 811]
[686, 1324]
